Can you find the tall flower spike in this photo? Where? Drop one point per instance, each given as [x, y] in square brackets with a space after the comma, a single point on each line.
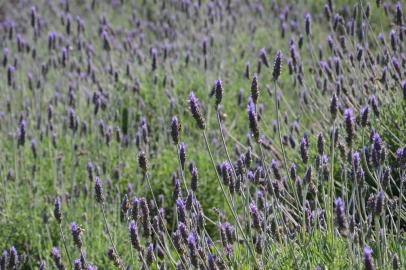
[219, 92]
[277, 66]
[195, 110]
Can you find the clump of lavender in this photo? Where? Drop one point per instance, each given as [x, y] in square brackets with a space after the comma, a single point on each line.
[195, 110]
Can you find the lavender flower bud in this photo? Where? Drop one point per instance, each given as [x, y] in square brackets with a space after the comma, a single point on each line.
[182, 155]
[256, 217]
[399, 14]
[364, 116]
[175, 128]
[191, 241]
[253, 121]
[134, 235]
[277, 66]
[194, 181]
[13, 260]
[379, 204]
[3, 260]
[263, 57]
[395, 262]
[180, 206]
[404, 89]
[368, 260]
[77, 265]
[334, 107]
[303, 150]
[56, 257]
[145, 217]
[320, 144]
[10, 75]
[254, 89]
[135, 209]
[308, 21]
[57, 210]
[374, 104]
[195, 110]
[349, 126]
[42, 266]
[219, 92]
[340, 216]
[76, 235]
[99, 191]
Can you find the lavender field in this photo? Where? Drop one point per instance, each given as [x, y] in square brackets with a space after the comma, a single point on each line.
[202, 134]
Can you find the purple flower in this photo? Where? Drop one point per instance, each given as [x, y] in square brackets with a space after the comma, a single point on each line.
[263, 57]
[191, 241]
[277, 66]
[182, 154]
[134, 235]
[253, 121]
[99, 191]
[254, 89]
[175, 128]
[340, 216]
[308, 21]
[256, 217]
[76, 235]
[219, 92]
[349, 125]
[56, 257]
[195, 110]
[368, 260]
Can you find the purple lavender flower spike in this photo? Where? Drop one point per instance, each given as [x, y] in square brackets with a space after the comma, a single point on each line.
[368, 260]
[195, 110]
